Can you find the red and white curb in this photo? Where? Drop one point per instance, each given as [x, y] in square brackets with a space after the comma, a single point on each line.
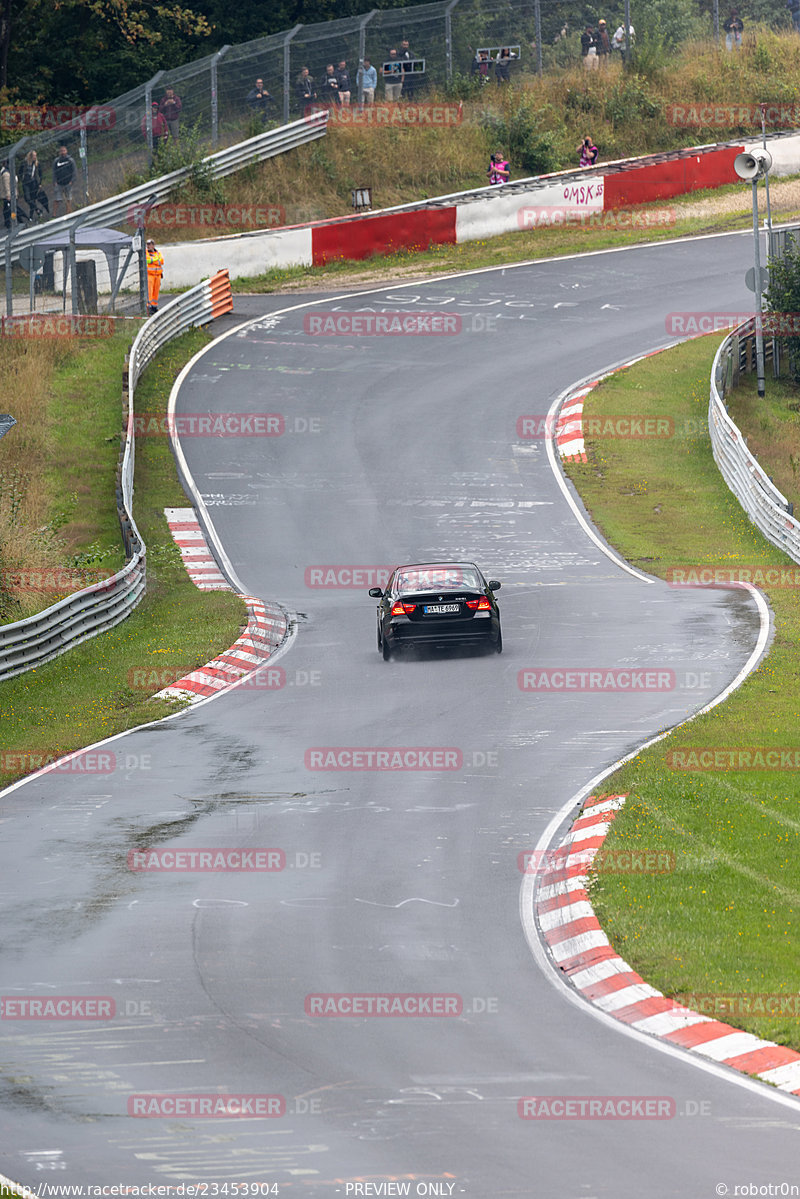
[200, 563]
[569, 422]
[569, 425]
[581, 949]
[266, 623]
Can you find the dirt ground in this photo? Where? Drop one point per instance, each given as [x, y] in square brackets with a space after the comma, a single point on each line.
[784, 198]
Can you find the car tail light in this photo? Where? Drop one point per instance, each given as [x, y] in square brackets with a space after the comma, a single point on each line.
[400, 609]
[481, 605]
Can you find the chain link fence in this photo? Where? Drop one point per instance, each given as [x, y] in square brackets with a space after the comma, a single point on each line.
[179, 115]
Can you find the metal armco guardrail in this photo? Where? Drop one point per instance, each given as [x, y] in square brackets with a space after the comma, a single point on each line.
[31, 642]
[768, 509]
[117, 208]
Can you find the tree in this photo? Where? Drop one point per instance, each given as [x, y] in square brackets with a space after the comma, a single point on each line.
[102, 45]
[783, 297]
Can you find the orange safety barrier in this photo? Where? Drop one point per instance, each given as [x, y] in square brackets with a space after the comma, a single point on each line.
[221, 295]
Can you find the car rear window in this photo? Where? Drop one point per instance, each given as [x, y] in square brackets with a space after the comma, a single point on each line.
[425, 578]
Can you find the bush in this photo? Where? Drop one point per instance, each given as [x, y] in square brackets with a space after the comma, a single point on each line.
[529, 137]
[782, 296]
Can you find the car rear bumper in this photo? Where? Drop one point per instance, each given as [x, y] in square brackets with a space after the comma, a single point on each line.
[471, 632]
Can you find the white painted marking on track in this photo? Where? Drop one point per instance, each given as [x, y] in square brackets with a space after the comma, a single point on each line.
[414, 899]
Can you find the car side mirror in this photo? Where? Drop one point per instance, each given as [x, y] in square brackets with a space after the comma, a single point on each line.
[494, 585]
[376, 592]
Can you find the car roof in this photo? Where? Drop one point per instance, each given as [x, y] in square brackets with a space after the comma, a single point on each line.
[437, 562]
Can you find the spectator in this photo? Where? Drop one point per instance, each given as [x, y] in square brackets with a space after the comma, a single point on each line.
[502, 64]
[411, 78]
[170, 108]
[155, 273]
[64, 172]
[5, 193]
[392, 72]
[343, 75]
[498, 171]
[618, 40]
[32, 191]
[588, 49]
[160, 130]
[588, 153]
[367, 79]
[480, 64]
[794, 9]
[305, 89]
[259, 101]
[734, 28]
[603, 42]
[330, 88]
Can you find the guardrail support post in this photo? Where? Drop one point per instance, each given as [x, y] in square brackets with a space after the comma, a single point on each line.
[362, 49]
[214, 101]
[757, 282]
[9, 293]
[83, 154]
[448, 39]
[287, 85]
[73, 272]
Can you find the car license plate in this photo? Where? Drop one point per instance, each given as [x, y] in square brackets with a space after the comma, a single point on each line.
[440, 609]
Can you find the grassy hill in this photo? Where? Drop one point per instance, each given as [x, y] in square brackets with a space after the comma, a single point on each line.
[538, 122]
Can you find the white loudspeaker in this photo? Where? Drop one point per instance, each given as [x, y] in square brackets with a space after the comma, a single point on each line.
[752, 164]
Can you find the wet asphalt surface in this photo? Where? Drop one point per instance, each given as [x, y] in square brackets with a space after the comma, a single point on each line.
[393, 449]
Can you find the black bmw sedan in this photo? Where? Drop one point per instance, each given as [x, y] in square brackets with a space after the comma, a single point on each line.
[437, 604]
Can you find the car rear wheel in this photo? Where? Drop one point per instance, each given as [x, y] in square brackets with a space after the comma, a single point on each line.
[387, 653]
[499, 646]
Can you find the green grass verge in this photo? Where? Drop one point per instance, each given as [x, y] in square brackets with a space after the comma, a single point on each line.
[85, 407]
[726, 920]
[102, 687]
[773, 421]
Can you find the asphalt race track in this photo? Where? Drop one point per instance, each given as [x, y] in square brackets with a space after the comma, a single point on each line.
[393, 448]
